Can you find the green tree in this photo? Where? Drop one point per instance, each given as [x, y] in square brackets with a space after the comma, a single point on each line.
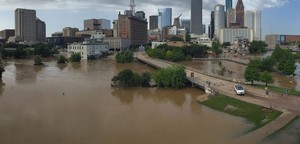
[226, 44]
[216, 47]
[62, 59]
[127, 78]
[252, 72]
[257, 47]
[37, 60]
[266, 77]
[145, 79]
[299, 45]
[289, 67]
[267, 64]
[124, 57]
[173, 77]
[75, 57]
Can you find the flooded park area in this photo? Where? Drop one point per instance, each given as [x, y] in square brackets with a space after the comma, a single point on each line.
[75, 103]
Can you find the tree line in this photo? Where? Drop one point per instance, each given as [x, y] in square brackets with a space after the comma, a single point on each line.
[177, 54]
[171, 77]
[23, 51]
[282, 60]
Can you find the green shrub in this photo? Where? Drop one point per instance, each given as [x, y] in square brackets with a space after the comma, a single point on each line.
[124, 57]
[75, 57]
[62, 59]
[37, 60]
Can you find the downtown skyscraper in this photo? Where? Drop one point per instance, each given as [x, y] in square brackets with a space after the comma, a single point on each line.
[240, 13]
[25, 24]
[196, 17]
[228, 4]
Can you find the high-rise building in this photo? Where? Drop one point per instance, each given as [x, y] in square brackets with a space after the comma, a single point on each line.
[212, 25]
[40, 30]
[257, 25]
[133, 28]
[228, 4]
[249, 19]
[69, 32]
[240, 13]
[96, 24]
[25, 24]
[203, 28]
[186, 24]
[230, 17]
[153, 24]
[164, 17]
[5, 34]
[196, 17]
[219, 17]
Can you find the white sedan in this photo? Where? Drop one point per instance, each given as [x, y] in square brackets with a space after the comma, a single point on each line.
[239, 90]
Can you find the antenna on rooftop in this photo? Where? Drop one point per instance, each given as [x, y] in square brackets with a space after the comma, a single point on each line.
[132, 7]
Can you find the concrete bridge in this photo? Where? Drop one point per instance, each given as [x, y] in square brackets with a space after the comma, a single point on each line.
[289, 105]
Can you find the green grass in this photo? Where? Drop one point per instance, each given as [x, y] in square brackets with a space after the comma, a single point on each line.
[279, 89]
[251, 112]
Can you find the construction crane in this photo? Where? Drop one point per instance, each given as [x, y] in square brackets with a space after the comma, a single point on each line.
[177, 21]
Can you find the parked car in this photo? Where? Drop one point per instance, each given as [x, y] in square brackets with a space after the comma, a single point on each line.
[239, 90]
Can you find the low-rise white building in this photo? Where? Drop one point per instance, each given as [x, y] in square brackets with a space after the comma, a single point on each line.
[201, 39]
[229, 34]
[117, 43]
[89, 49]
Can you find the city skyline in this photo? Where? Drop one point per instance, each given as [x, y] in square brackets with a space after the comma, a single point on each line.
[58, 15]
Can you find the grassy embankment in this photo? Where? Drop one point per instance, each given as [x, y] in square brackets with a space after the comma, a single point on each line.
[254, 113]
[279, 90]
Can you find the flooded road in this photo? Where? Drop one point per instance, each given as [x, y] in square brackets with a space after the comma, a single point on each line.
[236, 71]
[75, 104]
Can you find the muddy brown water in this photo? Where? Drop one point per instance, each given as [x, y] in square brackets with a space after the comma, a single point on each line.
[75, 104]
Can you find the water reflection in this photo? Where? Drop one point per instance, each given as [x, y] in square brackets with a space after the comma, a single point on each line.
[62, 66]
[289, 135]
[2, 84]
[161, 95]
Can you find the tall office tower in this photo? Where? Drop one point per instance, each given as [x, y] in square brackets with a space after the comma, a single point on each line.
[164, 17]
[186, 24]
[230, 17]
[219, 19]
[240, 13]
[209, 31]
[196, 17]
[153, 24]
[249, 19]
[228, 4]
[25, 24]
[203, 28]
[257, 25]
[40, 30]
[96, 24]
[212, 25]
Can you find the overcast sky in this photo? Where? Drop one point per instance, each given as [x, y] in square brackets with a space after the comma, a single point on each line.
[279, 16]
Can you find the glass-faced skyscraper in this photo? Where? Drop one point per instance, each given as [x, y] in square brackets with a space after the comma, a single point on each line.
[164, 17]
[196, 17]
[228, 4]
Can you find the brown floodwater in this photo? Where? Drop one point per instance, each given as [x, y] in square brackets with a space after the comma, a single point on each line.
[75, 104]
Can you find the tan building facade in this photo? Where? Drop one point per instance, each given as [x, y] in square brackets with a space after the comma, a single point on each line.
[133, 28]
[25, 24]
[69, 32]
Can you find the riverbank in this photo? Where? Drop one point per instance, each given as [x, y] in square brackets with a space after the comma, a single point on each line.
[258, 115]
